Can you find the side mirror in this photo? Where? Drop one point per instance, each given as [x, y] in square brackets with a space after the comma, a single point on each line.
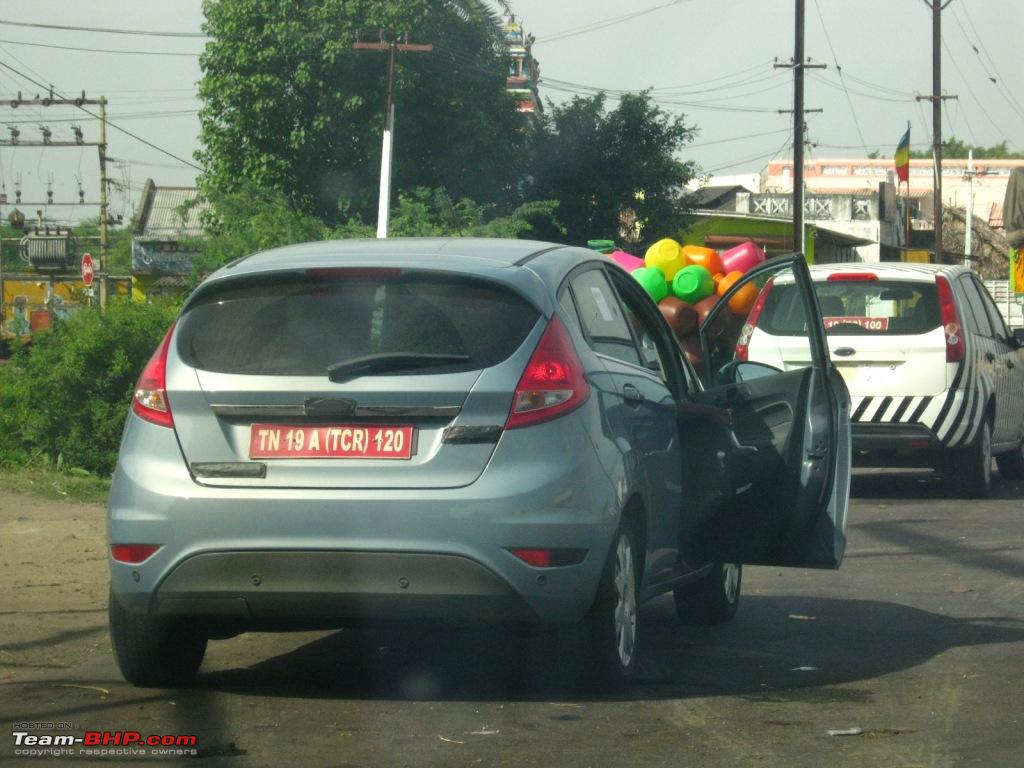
[1018, 337]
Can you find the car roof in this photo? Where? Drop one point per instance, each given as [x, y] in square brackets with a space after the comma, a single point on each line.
[891, 270]
[447, 251]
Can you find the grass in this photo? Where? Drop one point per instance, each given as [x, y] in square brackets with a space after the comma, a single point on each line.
[49, 483]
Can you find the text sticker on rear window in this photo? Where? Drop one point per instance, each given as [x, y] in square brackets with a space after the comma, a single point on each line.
[602, 304]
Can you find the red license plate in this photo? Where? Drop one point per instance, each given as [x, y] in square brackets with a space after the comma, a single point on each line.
[330, 441]
[869, 323]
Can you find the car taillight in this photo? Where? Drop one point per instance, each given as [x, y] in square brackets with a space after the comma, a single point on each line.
[132, 554]
[956, 349]
[743, 343]
[150, 401]
[845, 277]
[552, 383]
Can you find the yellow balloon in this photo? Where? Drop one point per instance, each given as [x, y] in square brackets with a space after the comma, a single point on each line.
[666, 256]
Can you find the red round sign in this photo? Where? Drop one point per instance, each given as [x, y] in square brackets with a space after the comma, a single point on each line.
[88, 269]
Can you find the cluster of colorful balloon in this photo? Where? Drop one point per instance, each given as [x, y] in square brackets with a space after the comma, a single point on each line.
[687, 281]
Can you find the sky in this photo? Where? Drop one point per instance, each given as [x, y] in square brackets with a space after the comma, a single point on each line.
[710, 60]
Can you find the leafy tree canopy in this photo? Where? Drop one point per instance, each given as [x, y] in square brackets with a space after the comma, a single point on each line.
[615, 173]
[290, 106]
[954, 148]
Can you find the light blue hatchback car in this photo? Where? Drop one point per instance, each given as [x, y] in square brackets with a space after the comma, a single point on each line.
[458, 429]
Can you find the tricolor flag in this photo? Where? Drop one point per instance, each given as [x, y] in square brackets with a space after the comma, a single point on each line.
[902, 157]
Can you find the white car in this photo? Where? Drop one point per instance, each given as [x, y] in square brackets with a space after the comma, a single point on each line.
[935, 377]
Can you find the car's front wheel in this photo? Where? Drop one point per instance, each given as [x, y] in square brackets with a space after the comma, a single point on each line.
[153, 651]
[712, 600]
[612, 630]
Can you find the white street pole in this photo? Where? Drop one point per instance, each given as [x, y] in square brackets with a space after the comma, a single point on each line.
[384, 202]
[970, 207]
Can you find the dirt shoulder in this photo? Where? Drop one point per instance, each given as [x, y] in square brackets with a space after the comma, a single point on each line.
[53, 584]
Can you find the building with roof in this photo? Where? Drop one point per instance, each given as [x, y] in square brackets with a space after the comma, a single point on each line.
[854, 176]
[168, 230]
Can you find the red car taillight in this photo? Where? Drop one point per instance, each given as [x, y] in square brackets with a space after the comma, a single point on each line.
[132, 554]
[150, 401]
[743, 343]
[956, 349]
[552, 383]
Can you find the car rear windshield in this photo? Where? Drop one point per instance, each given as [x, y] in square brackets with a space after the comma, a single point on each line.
[301, 325]
[856, 307]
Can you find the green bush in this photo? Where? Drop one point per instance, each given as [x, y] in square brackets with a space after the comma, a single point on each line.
[64, 398]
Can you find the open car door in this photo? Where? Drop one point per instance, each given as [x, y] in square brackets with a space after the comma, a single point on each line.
[787, 435]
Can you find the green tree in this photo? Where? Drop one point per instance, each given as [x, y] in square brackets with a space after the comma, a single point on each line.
[614, 174]
[954, 148]
[290, 107]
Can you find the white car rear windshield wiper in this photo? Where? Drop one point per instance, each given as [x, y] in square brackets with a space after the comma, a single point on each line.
[385, 362]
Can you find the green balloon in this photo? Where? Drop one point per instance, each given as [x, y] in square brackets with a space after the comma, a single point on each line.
[693, 283]
[653, 281]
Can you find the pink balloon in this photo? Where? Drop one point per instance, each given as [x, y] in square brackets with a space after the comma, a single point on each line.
[625, 260]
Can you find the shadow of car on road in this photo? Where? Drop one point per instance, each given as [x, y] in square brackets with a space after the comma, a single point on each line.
[762, 654]
[922, 484]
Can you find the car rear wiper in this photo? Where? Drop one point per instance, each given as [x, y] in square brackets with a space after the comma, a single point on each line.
[385, 362]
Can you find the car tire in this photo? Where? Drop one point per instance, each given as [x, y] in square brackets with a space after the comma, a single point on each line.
[974, 465]
[1011, 464]
[611, 627]
[714, 599]
[153, 651]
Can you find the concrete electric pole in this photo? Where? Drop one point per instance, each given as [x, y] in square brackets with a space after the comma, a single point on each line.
[936, 99]
[384, 201]
[798, 66]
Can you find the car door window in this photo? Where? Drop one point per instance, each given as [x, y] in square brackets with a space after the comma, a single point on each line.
[977, 307]
[603, 321]
[995, 318]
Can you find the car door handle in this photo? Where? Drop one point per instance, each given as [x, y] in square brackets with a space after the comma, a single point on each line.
[844, 351]
[632, 395]
[740, 448]
[990, 356]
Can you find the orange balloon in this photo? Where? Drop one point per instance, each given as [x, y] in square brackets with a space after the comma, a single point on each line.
[702, 257]
[743, 300]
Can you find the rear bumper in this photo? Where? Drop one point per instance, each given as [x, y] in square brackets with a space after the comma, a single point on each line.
[266, 586]
[895, 445]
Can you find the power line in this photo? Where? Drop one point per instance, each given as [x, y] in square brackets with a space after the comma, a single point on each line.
[104, 30]
[839, 71]
[125, 131]
[981, 107]
[99, 50]
[607, 22]
[1001, 84]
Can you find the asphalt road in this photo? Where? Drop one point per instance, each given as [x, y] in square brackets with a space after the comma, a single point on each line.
[915, 648]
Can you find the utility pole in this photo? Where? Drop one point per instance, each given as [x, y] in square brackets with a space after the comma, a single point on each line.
[104, 215]
[798, 65]
[936, 99]
[384, 199]
[15, 140]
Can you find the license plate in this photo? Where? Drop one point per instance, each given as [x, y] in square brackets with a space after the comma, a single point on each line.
[330, 441]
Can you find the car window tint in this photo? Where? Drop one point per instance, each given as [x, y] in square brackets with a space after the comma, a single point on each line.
[995, 318]
[970, 290]
[569, 308]
[859, 307]
[652, 357]
[298, 326]
[602, 317]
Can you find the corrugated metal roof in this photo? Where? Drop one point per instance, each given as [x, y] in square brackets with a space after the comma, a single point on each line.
[160, 216]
